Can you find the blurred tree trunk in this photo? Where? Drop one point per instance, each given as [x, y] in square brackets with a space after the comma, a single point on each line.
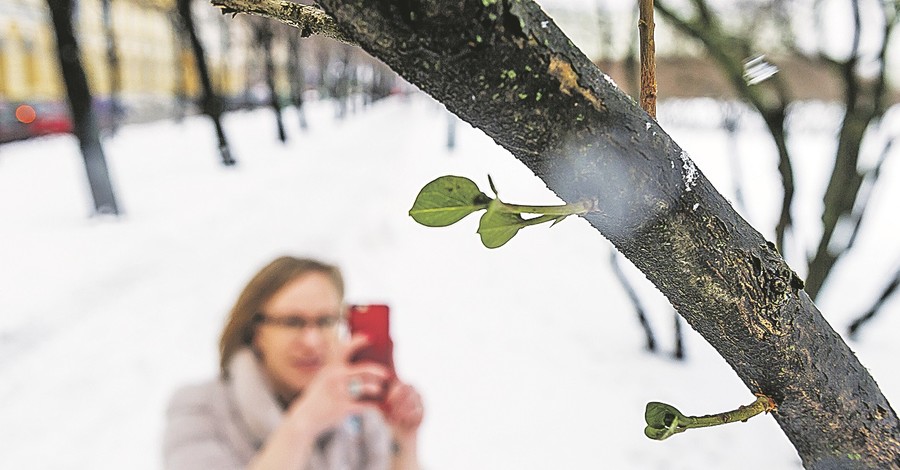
[84, 121]
[296, 76]
[262, 33]
[341, 83]
[115, 73]
[527, 87]
[181, 79]
[210, 103]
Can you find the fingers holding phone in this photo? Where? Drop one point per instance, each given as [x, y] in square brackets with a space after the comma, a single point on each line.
[338, 391]
[403, 408]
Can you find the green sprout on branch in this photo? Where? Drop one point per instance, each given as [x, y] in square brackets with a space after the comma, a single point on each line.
[664, 420]
[449, 199]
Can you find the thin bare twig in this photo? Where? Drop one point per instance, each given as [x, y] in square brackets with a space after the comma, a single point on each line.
[648, 58]
[889, 290]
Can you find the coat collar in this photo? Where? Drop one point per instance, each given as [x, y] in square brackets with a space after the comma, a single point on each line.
[253, 396]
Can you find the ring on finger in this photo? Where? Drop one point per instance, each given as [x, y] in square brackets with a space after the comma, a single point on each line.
[355, 388]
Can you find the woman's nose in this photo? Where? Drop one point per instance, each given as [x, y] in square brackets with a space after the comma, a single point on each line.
[310, 336]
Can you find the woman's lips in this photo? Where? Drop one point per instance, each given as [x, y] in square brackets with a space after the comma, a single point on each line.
[306, 363]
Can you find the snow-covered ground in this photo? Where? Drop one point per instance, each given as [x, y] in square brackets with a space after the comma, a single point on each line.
[529, 356]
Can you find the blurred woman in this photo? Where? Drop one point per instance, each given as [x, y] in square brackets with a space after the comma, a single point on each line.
[287, 396]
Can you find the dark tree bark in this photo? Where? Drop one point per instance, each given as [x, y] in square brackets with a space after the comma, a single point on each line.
[210, 102]
[84, 121]
[505, 67]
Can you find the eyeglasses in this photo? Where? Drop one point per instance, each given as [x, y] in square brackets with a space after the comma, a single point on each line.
[295, 322]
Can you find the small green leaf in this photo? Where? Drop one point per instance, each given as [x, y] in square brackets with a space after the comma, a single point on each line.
[663, 421]
[447, 200]
[496, 227]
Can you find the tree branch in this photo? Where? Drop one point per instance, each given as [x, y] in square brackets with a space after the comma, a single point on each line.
[865, 103]
[648, 58]
[889, 290]
[869, 181]
[307, 18]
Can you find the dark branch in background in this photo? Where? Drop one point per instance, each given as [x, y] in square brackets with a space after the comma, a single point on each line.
[210, 102]
[853, 329]
[263, 35]
[865, 103]
[678, 353]
[703, 11]
[297, 78]
[635, 300]
[868, 186]
[769, 98]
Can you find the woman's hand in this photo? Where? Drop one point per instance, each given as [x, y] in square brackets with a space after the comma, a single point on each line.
[403, 411]
[334, 393]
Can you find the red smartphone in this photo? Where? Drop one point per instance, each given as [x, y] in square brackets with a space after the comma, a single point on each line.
[373, 321]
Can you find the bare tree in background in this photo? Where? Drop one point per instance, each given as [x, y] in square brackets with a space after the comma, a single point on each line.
[210, 102]
[864, 94]
[115, 111]
[264, 38]
[84, 120]
[296, 74]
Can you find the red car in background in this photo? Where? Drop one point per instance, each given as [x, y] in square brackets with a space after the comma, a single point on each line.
[11, 127]
[23, 120]
[50, 118]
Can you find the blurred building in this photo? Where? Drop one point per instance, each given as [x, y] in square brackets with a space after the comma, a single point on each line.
[154, 67]
[155, 73]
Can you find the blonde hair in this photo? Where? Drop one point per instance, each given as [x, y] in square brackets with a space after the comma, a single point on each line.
[244, 317]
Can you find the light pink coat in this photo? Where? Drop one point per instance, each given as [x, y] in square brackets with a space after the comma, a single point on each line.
[222, 424]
